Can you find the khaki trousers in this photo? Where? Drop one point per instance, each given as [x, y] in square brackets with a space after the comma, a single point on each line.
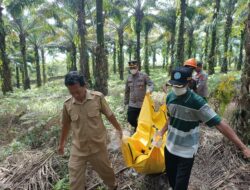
[100, 163]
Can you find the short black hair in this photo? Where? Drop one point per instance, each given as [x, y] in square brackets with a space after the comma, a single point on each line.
[199, 64]
[73, 77]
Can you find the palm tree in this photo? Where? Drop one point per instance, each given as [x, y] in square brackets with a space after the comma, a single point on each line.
[167, 19]
[120, 22]
[194, 20]
[101, 77]
[230, 8]
[242, 40]
[148, 25]
[206, 46]
[66, 39]
[76, 11]
[211, 58]
[5, 69]
[180, 36]
[139, 9]
[40, 36]
[242, 114]
[114, 56]
[22, 25]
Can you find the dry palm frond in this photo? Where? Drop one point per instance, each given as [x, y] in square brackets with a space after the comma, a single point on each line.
[217, 164]
[29, 170]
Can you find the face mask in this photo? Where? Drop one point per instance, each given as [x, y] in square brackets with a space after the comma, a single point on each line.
[133, 71]
[179, 91]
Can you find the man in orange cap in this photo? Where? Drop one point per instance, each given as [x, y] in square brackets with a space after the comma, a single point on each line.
[192, 64]
[199, 82]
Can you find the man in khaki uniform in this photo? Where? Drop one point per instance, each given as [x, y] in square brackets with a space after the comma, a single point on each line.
[137, 85]
[82, 114]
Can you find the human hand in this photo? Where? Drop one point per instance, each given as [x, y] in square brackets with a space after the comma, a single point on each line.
[148, 91]
[159, 133]
[246, 153]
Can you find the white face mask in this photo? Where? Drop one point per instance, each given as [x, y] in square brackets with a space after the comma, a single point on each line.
[179, 91]
[133, 71]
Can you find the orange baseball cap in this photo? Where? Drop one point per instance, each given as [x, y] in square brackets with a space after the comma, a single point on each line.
[191, 63]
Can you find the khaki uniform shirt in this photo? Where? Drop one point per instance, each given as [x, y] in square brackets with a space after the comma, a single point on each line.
[201, 81]
[135, 89]
[89, 132]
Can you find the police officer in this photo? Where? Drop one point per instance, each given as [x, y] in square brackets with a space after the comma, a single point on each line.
[137, 85]
[82, 114]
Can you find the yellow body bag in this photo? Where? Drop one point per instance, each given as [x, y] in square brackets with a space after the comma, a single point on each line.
[138, 151]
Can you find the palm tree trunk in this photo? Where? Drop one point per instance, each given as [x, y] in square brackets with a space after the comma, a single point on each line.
[218, 54]
[38, 70]
[172, 50]
[146, 61]
[130, 50]
[121, 56]
[139, 17]
[17, 77]
[206, 45]
[101, 83]
[167, 52]
[73, 57]
[26, 84]
[243, 113]
[89, 81]
[211, 58]
[114, 58]
[84, 67]
[22, 73]
[242, 40]
[154, 56]
[190, 42]
[228, 29]
[5, 71]
[93, 58]
[43, 66]
[180, 36]
[230, 56]
[138, 48]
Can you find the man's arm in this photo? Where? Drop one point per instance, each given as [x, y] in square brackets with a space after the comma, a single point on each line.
[227, 131]
[149, 83]
[65, 130]
[164, 129]
[64, 135]
[112, 119]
